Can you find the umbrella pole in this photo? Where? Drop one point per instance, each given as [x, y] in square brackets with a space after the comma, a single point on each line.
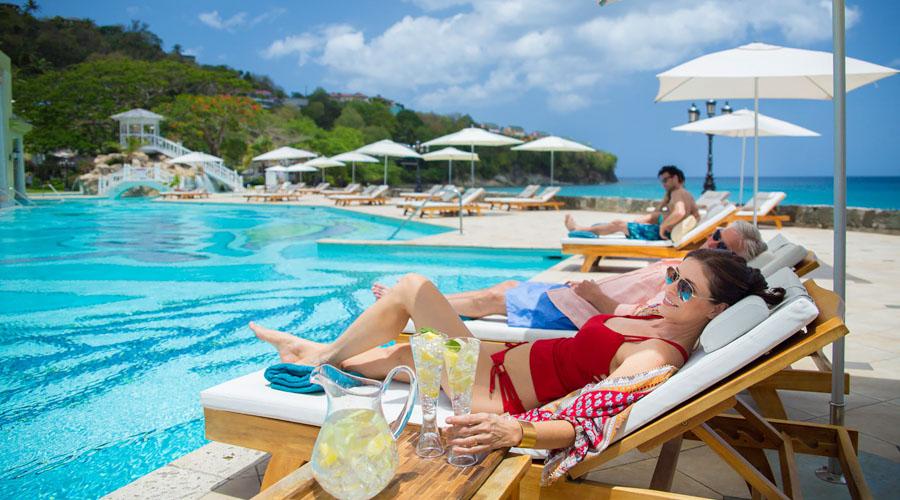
[353, 170]
[832, 471]
[450, 173]
[551, 168]
[755, 146]
[385, 169]
[472, 161]
[743, 157]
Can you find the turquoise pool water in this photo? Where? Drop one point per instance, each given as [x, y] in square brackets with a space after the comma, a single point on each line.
[115, 315]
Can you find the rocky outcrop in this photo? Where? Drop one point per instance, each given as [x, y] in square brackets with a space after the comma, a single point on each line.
[110, 163]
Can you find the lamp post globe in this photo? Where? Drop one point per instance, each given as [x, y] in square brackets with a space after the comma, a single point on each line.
[726, 109]
[693, 113]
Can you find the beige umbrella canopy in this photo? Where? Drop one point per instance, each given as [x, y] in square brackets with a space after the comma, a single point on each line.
[553, 144]
[386, 148]
[449, 154]
[473, 136]
[353, 157]
[285, 153]
[322, 163]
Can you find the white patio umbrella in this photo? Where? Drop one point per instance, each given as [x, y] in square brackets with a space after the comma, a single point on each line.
[741, 124]
[322, 163]
[553, 143]
[449, 154]
[297, 167]
[386, 148]
[473, 136]
[195, 157]
[353, 157]
[285, 153]
[759, 71]
[282, 169]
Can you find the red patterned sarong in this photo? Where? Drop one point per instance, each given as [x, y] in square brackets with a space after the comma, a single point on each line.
[597, 411]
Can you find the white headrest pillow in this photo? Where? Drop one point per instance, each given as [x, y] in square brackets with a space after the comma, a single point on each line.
[734, 322]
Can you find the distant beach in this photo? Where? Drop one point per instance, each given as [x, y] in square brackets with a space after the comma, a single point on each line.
[864, 192]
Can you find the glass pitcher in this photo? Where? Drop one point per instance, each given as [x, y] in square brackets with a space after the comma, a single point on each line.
[355, 455]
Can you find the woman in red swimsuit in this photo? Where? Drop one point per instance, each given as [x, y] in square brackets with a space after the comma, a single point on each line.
[516, 378]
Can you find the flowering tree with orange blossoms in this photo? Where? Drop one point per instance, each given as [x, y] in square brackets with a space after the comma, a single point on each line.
[219, 124]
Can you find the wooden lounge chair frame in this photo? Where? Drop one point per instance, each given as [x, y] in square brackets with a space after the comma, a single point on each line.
[594, 253]
[740, 440]
[379, 199]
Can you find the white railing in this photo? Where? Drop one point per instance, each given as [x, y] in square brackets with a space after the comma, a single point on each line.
[216, 169]
[130, 173]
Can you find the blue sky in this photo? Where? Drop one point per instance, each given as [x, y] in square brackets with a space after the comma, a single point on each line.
[567, 67]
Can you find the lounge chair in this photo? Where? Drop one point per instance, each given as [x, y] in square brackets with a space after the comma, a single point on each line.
[291, 193]
[445, 195]
[619, 246]
[525, 194]
[261, 195]
[544, 199]
[469, 204]
[711, 198]
[348, 189]
[317, 189]
[246, 412]
[766, 211]
[431, 194]
[378, 196]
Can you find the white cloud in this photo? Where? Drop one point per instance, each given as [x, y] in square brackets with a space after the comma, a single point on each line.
[193, 51]
[497, 50]
[301, 45]
[214, 20]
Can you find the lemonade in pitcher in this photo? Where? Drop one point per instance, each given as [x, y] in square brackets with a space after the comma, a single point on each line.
[355, 455]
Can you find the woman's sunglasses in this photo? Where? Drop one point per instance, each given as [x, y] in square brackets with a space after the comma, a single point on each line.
[684, 287]
[717, 236]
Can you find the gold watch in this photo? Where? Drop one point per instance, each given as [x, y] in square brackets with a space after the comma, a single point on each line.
[529, 434]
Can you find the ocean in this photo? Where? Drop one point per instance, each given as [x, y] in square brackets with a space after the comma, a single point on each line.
[865, 192]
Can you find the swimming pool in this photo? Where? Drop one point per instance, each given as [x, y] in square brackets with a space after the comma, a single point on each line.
[114, 315]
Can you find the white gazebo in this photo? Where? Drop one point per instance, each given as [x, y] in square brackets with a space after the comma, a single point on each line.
[138, 123]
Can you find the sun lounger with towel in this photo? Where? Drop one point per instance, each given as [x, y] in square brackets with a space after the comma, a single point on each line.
[766, 209]
[544, 199]
[616, 245]
[745, 349]
[431, 194]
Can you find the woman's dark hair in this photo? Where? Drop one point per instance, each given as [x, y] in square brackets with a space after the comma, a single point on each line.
[731, 279]
[673, 171]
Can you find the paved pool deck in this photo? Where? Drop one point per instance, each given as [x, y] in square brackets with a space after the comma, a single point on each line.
[872, 359]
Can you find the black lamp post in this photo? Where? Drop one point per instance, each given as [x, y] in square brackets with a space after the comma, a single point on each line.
[709, 184]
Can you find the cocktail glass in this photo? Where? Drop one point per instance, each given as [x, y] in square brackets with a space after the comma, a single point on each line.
[460, 360]
[428, 353]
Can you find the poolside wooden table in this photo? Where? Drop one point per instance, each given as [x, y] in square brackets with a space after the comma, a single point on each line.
[496, 477]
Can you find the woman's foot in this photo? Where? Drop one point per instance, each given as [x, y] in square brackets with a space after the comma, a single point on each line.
[379, 290]
[291, 349]
[570, 223]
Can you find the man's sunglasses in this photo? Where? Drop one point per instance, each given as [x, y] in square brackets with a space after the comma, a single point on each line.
[717, 236]
[684, 287]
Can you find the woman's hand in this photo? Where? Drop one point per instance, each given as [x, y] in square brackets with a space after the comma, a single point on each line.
[482, 432]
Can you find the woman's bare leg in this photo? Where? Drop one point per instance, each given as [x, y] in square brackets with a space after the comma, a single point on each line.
[413, 297]
[474, 303]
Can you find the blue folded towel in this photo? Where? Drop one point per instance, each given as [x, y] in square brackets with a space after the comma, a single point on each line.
[292, 378]
[295, 378]
[582, 234]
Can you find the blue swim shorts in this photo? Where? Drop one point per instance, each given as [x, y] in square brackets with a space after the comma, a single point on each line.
[528, 306]
[648, 232]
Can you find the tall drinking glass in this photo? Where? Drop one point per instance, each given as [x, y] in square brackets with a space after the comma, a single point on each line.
[460, 360]
[428, 353]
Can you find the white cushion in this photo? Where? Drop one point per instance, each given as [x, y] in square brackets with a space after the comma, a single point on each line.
[784, 256]
[251, 395]
[765, 202]
[705, 369]
[733, 322]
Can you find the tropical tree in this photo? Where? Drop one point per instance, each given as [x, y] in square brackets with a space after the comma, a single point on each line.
[220, 124]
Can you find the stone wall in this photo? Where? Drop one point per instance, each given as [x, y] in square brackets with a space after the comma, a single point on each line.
[819, 216]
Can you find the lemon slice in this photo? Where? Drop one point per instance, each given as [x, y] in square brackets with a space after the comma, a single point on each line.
[452, 345]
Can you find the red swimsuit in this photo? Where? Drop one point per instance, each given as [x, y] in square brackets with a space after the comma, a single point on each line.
[560, 366]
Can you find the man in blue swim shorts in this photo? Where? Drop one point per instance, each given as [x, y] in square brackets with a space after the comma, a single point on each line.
[657, 225]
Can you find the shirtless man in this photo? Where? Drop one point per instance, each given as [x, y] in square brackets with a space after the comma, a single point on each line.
[654, 226]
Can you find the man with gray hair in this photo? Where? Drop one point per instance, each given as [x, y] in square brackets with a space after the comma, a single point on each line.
[567, 306]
